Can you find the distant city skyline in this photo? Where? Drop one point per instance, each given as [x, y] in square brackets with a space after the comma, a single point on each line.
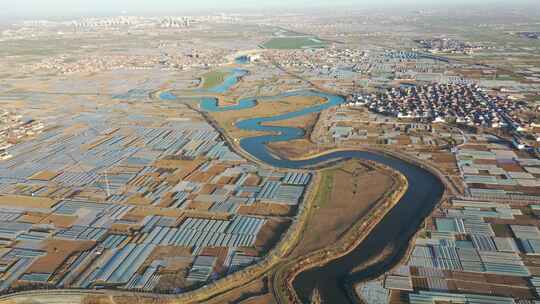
[62, 8]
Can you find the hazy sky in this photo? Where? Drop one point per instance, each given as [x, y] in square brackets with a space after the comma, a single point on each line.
[33, 8]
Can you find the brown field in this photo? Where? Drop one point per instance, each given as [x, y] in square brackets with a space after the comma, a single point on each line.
[186, 170]
[264, 109]
[163, 252]
[32, 217]
[166, 200]
[204, 206]
[57, 252]
[345, 195]
[26, 201]
[252, 180]
[62, 221]
[96, 300]
[267, 209]
[171, 163]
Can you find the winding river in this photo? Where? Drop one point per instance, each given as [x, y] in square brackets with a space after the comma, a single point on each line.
[395, 229]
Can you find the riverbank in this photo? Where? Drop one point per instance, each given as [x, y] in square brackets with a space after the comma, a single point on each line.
[451, 187]
[397, 228]
[348, 242]
[256, 151]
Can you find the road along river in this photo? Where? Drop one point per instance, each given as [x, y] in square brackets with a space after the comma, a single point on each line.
[396, 228]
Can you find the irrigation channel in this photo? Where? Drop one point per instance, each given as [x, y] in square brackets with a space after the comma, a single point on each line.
[396, 228]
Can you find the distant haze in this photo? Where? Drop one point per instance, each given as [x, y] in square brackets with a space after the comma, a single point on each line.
[14, 9]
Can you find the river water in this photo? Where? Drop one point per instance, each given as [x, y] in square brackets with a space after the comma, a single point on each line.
[395, 229]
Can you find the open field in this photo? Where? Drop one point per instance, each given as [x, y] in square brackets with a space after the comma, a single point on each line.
[58, 252]
[26, 201]
[345, 194]
[271, 233]
[267, 209]
[305, 122]
[293, 43]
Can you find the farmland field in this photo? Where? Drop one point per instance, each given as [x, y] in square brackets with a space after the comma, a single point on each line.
[345, 195]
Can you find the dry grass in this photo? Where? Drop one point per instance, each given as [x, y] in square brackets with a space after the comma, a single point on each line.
[61, 221]
[57, 252]
[204, 206]
[293, 148]
[304, 121]
[187, 169]
[172, 163]
[270, 234]
[267, 209]
[44, 175]
[96, 300]
[345, 195]
[32, 217]
[26, 201]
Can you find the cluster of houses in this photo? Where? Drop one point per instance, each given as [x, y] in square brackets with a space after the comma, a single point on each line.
[399, 62]
[315, 60]
[183, 59]
[448, 45]
[14, 128]
[464, 103]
